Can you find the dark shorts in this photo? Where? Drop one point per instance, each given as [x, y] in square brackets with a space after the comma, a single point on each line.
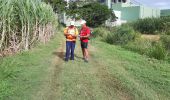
[84, 45]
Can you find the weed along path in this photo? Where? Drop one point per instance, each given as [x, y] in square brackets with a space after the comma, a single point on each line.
[111, 74]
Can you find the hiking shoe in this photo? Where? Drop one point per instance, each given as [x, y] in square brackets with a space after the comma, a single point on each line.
[86, 60]
[71, 58]
[66, 60]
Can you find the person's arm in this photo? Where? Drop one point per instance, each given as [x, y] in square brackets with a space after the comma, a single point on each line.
[66, 31]
[88, 34]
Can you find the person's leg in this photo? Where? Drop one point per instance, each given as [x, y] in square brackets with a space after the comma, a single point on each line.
[67, 50]
[86, 51]
[72, 50]
[83, 52]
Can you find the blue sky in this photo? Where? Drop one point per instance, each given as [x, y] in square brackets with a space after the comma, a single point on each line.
[162, 4]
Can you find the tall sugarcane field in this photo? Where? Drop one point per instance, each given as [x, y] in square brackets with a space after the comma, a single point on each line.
[23, 23]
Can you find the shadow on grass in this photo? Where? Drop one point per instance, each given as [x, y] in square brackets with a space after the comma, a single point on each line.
[59, 54]
[78, 57]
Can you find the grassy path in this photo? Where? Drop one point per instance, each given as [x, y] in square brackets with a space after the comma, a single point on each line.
[112, 74]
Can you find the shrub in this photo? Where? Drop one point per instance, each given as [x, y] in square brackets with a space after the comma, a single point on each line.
[166, 41]
[158, 51]
[122, 35]
[110, 38]
[101, 32]
[153, 25]
[148, 25]
[152, 49]
[167, 28]
[140, 45]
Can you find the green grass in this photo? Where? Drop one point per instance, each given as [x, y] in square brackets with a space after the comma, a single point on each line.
[21, 74]
[113, 73]
[142, 77]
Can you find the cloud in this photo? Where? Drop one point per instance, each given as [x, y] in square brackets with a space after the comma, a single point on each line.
[162, 4]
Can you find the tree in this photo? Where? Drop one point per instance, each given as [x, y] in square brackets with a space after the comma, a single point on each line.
[74, 10]
[90, 10]
[96, 14]
[59, 6]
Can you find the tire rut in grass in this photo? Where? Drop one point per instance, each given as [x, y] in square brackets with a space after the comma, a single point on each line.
[88, 89]
[110, 85]
[50, 89]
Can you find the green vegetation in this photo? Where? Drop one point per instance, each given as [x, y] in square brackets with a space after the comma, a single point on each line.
[160, 26]
[129, 36]
[149, 25]
[113, 72]
[122, 35]
[59, 6]
[150, 48]
[96, 14]
[116, 35]
[90, 10]
[141, 77]
[152, 25]
[166, 41]
[23, 23]
[140, 45]
[158, 51]
[93, 12]
[22, 75]
[101, 32]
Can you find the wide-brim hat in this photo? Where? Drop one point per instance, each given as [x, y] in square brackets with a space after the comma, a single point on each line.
[83, 22]
[72, 23]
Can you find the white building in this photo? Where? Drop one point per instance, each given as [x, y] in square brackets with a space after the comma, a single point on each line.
[130, 10]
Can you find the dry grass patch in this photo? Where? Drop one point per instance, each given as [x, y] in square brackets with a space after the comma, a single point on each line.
[151, 37]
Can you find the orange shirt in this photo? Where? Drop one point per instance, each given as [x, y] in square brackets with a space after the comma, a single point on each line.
[71, 31]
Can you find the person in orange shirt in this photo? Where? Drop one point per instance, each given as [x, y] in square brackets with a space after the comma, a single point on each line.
[71, 33]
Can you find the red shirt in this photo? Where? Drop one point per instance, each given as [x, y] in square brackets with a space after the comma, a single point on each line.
[84, 32]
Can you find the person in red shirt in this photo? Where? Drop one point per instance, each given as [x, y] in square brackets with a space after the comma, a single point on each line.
[84, 38]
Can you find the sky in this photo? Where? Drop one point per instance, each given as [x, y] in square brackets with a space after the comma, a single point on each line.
[162, 4]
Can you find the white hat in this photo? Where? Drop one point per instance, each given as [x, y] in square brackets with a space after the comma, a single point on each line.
[83, 22]
[72, 23]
